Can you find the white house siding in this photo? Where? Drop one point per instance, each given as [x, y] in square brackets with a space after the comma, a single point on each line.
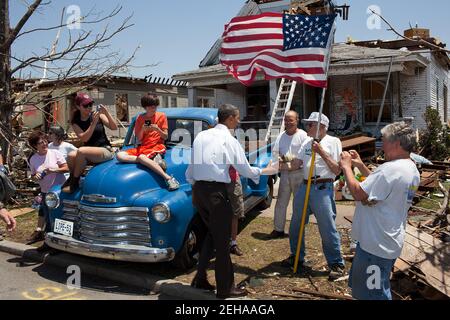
[234, 94]
[438, 79]
[414, 96]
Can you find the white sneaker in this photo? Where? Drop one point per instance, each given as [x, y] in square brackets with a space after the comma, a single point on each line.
[172, 184]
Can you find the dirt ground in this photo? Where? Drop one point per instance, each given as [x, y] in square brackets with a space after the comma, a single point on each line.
[26, 224]
[260, 266]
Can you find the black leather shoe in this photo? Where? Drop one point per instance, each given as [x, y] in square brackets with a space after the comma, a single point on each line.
[234, 293]
[277, 234]
[202, 284]
[236, 250]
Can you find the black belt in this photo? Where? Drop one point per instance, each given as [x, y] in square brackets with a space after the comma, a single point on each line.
[317, 181]
[210, 182]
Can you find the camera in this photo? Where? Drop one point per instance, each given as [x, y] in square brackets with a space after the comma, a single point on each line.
[147, 123]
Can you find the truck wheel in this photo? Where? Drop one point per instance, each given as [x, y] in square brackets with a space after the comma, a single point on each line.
[187, 256]
[267, 202]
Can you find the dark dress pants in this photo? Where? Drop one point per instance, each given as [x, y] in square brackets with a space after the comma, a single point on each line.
[213, 205]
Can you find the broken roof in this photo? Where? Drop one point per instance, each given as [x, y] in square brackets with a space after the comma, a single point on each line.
[343, 55]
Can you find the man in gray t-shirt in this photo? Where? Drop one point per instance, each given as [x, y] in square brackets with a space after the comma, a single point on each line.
[383, 200]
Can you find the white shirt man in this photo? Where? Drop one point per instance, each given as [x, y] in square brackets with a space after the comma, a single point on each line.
[213, 151]
[285, 149]
[321, 197]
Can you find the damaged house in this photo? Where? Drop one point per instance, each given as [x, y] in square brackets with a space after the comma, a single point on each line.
[419, 77]
[121, 95]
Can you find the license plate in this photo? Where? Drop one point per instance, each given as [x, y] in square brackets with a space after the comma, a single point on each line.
[63, 227]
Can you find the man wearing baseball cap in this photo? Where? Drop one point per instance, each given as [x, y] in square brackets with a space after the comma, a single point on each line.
[321, 199]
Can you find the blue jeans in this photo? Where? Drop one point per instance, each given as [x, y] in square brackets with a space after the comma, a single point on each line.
[370, 276]
[321, 203]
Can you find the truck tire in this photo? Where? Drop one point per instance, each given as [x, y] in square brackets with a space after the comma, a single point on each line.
[187, 256]
[267, 202]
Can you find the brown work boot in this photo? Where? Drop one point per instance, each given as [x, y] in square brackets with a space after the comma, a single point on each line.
[73, 185]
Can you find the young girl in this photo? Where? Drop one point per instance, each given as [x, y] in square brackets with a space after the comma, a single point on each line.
[89, 127]
[151, 129]
[57, 137]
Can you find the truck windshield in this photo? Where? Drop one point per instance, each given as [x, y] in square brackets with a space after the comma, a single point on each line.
[181, 131]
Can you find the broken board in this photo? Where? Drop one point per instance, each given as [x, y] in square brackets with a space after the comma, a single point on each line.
[428, 254]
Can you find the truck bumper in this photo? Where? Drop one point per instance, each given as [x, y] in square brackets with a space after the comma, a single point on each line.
[110, 252]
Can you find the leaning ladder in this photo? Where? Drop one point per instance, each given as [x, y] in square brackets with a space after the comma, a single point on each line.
[282, 105]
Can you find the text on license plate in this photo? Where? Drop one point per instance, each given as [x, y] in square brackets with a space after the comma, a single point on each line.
[63, 227]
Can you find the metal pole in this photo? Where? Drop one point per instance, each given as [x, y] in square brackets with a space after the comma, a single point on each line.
[380, 112]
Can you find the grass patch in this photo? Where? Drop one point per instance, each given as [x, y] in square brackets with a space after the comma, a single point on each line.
[26, 224]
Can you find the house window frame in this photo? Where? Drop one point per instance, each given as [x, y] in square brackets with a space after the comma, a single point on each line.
[389, 98]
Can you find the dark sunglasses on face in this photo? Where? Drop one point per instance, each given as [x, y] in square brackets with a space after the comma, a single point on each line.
[88, 106]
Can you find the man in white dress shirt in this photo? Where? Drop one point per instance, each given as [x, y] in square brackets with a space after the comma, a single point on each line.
[285, 150]
[213, 152]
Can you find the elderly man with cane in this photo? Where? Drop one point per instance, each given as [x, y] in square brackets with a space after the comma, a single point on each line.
[383, 200]
[317, 195]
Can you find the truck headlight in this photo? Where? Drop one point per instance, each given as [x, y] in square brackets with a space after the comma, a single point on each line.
[161, 212]
[52, 200]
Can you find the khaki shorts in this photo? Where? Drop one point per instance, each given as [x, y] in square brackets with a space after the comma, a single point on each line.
[235, 194]
[107, 154]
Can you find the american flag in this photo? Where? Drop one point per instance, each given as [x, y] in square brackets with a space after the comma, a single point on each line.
[280, 45]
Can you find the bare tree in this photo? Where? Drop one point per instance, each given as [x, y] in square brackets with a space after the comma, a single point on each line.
[86, 55]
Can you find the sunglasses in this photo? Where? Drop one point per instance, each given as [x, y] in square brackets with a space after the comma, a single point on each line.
[88, 106]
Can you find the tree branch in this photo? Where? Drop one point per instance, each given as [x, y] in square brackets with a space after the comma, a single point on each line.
[20, 24]
[418, 41]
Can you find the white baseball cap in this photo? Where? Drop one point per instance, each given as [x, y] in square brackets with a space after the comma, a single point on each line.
[314, 117]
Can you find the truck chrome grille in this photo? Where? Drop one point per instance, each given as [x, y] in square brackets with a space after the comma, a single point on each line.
[109, 226]
[70, 211]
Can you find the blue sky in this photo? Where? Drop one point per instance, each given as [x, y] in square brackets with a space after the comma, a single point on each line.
[177, 34]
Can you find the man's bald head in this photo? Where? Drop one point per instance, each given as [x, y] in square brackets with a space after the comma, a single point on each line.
[291, 122]
[292, 113]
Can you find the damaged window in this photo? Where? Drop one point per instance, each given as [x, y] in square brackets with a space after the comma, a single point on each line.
[373, 90]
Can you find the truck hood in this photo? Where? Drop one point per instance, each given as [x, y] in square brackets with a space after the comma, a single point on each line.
[126, 182]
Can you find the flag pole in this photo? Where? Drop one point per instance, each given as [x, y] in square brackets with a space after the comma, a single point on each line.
[311, 168]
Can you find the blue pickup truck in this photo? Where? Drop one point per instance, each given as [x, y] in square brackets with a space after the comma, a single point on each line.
[125, 212]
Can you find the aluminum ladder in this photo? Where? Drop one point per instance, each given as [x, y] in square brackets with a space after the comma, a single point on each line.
[282, 105]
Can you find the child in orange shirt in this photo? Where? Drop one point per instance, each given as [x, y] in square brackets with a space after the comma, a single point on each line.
[151, 129]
